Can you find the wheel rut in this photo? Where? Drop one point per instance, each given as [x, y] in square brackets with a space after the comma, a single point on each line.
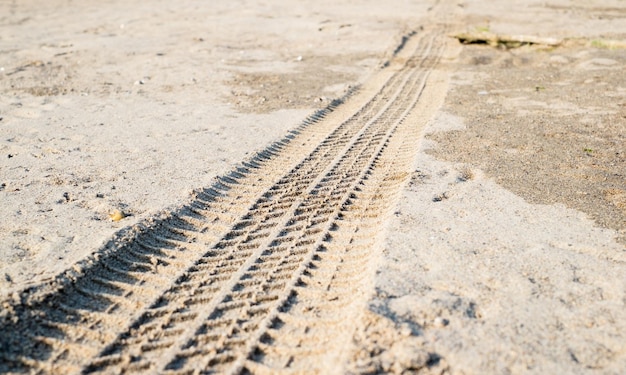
[257, 273]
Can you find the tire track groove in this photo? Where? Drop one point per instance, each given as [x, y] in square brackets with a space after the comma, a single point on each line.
[206, 288]
[307, 325]
[260, 208]
[213, 365]
[37, 312]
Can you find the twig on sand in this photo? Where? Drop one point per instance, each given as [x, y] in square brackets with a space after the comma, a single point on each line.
[507, 41]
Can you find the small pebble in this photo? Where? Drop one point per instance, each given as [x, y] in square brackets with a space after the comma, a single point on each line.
[117, 215]
[406, 330]
[440, 322]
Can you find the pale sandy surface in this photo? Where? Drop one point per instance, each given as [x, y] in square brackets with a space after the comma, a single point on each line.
[534, 282]
[506, 250]
[132, 106]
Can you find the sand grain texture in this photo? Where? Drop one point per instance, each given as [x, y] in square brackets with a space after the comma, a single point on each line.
[243, 187]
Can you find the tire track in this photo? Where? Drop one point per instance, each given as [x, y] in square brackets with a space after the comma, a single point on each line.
[209, 286]
[312, 331]
[271, 231]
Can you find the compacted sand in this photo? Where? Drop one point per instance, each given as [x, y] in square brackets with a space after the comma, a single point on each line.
[334, 187]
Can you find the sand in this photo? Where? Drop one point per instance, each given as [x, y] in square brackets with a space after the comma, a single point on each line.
[333, 188]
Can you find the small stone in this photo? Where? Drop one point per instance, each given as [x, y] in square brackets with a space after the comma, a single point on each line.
[117, 215]
[440, 322]
[441, 197]
[406, 330]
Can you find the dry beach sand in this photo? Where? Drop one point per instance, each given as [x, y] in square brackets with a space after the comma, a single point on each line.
[333, 187]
